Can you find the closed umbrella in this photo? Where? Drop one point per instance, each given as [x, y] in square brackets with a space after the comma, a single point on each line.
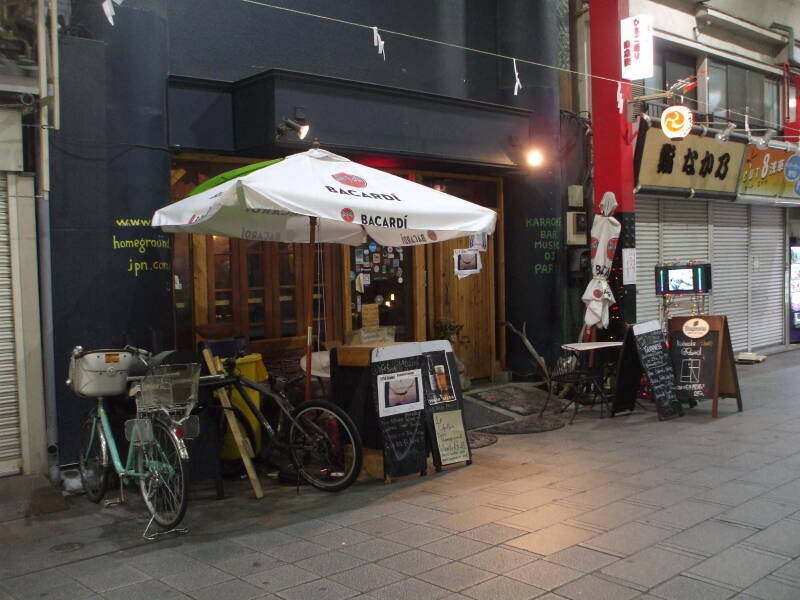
[605, 234]
[319, 196]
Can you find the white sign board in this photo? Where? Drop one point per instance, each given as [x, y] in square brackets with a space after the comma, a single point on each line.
[629, 266]
[636, 36]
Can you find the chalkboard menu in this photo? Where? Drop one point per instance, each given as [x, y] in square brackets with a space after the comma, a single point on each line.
[702, 357]
[443, 405]
[399, 399]
[645, 352]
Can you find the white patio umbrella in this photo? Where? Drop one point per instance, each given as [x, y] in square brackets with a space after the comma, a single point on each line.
[319, 196]
[605, 234]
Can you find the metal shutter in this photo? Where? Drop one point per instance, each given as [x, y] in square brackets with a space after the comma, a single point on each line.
[684, 236]
[728, 268]
[10, 440]
[767, 275]
[647, 234]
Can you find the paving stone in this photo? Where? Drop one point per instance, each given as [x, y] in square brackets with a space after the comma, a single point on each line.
[543, 516]
[102, 580]
[710, 476]
[694, 462]
[790, 570]
[375, 549]
[350, 517]
[456, 576]
[147, 590]
[467, 502]
[666, 494]
[710, 537]
[582, 559]
[408, 589]
[789, 492]
[212, 551]
[248, 564]
[503, 588]
[47, 583]
[650, 567]
[738, 566]
[770, 589]
[685, 588]
[419, 514]
[367, 577]
[749, 460]
[605, 494]
[595, 588]
[534, 498]
[417, 535]
[684, 514]
[308, 528]
[261, 540]
[229, 590]
[338, 538]
[455, 547]
[163, 562]
[545, 575]
[613, 515]
[782, 537]
[629, 538]
[494, 533]
[329, 563]
[316, 590]
[295, 551]
[770, 476]
[499, 560]
[759, 512]
[280, 578]
[732, 493]
[187, 581]
[552, 539]
[380, 526]
[413, 562]
[472, 518]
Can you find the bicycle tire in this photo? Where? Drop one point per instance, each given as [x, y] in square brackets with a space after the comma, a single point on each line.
[165, 489]
[326, 463]
[235, 467]
[94, 475]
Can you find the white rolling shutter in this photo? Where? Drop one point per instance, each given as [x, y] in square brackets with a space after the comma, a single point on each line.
[684, 236]
[767, 275]
[729, 276]
[10, 440]
[647, 232]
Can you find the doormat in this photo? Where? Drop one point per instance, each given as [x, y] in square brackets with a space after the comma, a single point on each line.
[532, 424]
[477, 416]
[522, 399]
[479, 439]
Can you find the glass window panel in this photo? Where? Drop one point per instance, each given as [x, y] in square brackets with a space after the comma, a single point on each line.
[677, 68]
[223, 307]
[737, 93]
[288, 328]
[755, 96]
[772, 103]
[221, 244]
[255, 272]
[717, 89]
[255, 305]
[222, 271]
[286, 266]
[288, 309]
[792, 101]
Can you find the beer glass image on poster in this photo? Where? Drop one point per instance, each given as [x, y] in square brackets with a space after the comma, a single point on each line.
[400, 392]
[440, 387]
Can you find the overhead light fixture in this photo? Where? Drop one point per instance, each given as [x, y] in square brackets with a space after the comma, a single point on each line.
[534, 158]
[762, 143]
[301, 129]
[725, 134]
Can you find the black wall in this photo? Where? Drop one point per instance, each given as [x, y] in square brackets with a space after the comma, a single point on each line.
[111, 164]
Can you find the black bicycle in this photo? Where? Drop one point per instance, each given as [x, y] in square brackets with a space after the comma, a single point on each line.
[318, 437]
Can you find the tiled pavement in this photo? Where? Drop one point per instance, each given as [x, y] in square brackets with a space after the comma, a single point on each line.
[613, 509]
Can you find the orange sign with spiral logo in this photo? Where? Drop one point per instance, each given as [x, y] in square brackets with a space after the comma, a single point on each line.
[676, 122]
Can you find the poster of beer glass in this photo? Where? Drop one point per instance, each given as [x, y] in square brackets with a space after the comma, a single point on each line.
[400, 392]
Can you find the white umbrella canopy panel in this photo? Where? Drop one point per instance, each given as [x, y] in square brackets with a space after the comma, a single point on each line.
[350, 201]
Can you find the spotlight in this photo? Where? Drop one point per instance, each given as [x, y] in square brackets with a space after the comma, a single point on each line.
[301, 129]
[762, 143]
[534, 158]
[725, 134]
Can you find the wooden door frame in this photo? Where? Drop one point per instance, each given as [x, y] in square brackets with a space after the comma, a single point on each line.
[422, 257]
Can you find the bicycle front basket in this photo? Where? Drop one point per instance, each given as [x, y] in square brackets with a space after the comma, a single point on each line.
[169, 386]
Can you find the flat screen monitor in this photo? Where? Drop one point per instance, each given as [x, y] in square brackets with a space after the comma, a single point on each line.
[683, 279]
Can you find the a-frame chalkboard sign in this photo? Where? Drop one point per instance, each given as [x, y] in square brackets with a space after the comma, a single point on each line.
[644, 351]
[702, 356]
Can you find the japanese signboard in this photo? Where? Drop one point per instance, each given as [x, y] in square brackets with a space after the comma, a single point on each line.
[694, 163]
[770, 172]
[636, 35]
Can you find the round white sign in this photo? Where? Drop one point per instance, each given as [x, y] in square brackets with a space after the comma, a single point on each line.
[695, 328]
[676, 121]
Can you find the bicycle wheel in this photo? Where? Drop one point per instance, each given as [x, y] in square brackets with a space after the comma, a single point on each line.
[165, 489]
[325, 445]
[94, 475]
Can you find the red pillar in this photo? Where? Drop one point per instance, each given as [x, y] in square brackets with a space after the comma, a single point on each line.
[612, 141]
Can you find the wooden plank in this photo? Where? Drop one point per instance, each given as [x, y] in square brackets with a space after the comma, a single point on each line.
[245, 451]
[347, 294]
[419, 293]
[500, 279]
[199, 281]
[359, 355]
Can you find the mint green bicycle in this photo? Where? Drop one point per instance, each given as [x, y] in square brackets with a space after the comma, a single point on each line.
[157, 454]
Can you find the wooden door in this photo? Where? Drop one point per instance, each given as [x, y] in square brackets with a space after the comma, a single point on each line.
[469, 302]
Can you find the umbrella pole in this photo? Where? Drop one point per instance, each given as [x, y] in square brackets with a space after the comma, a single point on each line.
[312, 225]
